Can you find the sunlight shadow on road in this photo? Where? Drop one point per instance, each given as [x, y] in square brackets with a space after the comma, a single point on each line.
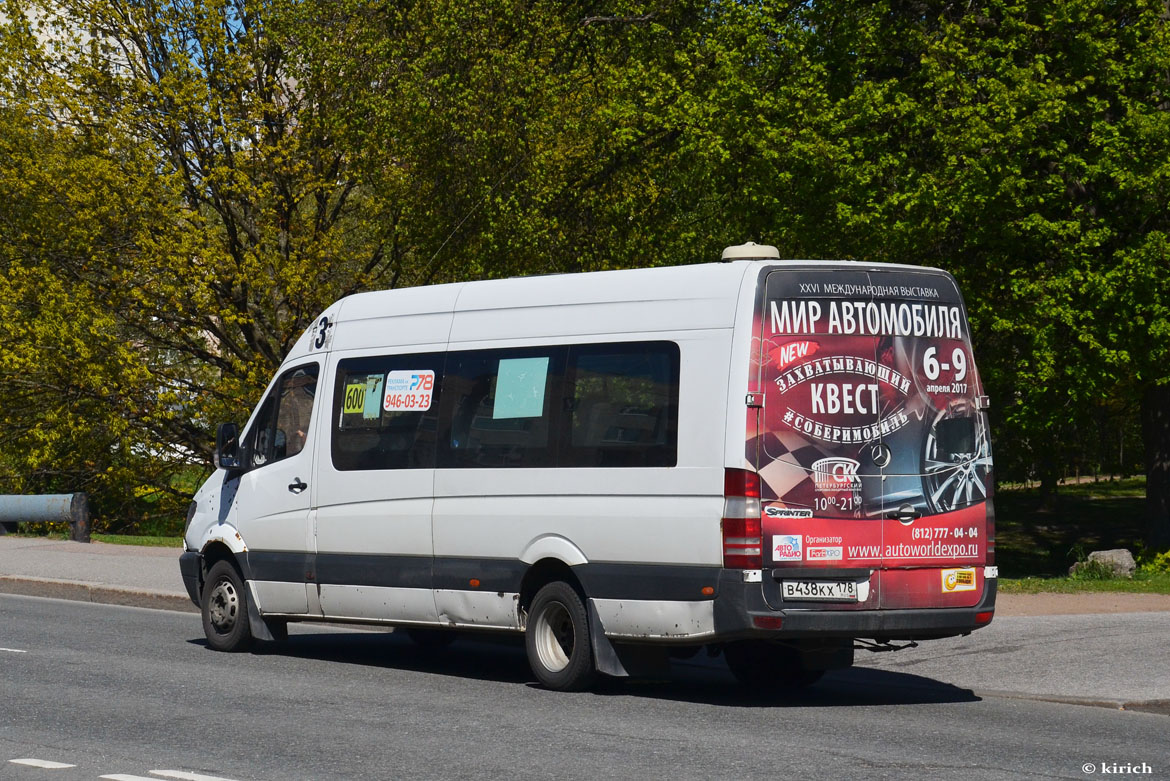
[702, 679]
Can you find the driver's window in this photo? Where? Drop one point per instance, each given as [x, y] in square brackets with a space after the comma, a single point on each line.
[282, 425]
[260, 437]
[294, 411]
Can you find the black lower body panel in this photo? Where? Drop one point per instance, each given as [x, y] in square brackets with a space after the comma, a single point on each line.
[190, 565]
[741, 612]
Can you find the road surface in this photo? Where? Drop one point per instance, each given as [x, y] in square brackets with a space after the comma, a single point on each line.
[129, 693]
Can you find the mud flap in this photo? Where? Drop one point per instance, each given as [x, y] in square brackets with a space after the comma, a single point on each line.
[605, 657]
[258, 625]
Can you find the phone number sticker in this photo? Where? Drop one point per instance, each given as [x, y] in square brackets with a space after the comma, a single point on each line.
[409, 391]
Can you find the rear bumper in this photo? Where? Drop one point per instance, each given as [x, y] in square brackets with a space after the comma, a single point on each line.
[739, 605]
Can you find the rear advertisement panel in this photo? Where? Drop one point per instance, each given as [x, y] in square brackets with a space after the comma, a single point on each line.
[871, 448]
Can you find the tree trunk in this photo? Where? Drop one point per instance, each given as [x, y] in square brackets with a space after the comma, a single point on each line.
[1156, 437]
[1049, 471]
[1048, 482]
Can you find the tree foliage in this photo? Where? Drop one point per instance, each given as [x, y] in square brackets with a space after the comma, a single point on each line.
[187, 183]
[188, 198]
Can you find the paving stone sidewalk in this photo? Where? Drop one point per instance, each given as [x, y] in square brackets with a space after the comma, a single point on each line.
[93, 572]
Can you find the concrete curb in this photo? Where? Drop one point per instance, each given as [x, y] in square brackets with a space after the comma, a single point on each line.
[1159, 707]
[80, 591]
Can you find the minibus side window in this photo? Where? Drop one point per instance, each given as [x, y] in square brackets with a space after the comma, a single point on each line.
[622, 403]
[385, 412]
[282, 425]
[502, 408]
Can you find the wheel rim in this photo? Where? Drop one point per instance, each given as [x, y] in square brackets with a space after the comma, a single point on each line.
[554, 637]
[224, 606]
[959, 480]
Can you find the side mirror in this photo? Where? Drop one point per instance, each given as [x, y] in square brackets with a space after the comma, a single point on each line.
[227, 446]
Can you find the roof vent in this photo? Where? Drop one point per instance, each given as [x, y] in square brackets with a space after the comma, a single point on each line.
[751, 251]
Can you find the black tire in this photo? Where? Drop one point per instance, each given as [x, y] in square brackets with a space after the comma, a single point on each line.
[768, 667]
[557, 639]
[225, 609]
[432, 639]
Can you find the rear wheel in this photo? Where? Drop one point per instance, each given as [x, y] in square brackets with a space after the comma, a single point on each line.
[768, 667]
[557, 639]
[225, 609]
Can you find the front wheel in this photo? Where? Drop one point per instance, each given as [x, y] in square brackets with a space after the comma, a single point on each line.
[225, 609]
[557, 639]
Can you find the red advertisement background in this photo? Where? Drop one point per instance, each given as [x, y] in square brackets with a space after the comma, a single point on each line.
[951, 530]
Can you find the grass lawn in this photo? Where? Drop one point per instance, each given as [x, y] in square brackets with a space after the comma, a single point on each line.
[1142, 583]
[1033, 541]
[114, 539]
[1035, 545]
[136, 539]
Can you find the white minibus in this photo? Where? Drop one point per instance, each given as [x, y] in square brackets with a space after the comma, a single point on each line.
[778, 460]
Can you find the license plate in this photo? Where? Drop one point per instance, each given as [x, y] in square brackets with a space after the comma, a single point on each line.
[824, 590]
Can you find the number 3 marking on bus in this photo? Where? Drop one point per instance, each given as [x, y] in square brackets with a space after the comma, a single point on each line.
[324, 324]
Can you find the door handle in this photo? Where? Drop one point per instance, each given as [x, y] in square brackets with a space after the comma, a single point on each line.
[906, 513]
[296, 486]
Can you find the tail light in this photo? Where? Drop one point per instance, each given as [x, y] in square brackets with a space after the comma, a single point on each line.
[743, 543]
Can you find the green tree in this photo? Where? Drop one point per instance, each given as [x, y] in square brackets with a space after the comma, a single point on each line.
[236, 175]
[1021, 145]
[1024, 146]
[512, 138]
[194, 181]
[178, 203]
[73, 386]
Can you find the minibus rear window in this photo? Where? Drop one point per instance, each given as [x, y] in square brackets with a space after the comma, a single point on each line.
[622, 403]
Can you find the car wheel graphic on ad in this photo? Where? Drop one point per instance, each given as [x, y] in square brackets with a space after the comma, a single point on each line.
[956, 458]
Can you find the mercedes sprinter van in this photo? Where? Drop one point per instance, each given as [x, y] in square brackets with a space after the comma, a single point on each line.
[780, 460]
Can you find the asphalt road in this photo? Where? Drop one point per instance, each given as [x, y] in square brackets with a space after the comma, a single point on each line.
[1113, 659]
[120, 692]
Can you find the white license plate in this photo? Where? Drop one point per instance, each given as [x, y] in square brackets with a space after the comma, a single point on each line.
[824, 590]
